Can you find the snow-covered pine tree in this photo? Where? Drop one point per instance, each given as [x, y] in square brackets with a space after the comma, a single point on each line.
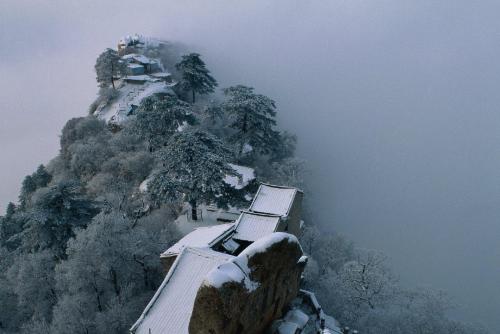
[107, 66]
[195, 76]
[158, 117]
[55, 214]
[28, 187]
[195, 164]
[253, 117]
[41, 177]
[11, 209]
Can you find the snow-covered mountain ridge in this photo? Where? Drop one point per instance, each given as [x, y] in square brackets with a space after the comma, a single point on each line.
[178, 180]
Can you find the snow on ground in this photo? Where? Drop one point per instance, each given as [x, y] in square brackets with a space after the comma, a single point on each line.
[207, 216]
[143, 187]
[129, 95]
[243, 177]
[306, 315]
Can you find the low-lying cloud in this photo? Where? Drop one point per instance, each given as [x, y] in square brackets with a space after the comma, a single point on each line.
[395, 104]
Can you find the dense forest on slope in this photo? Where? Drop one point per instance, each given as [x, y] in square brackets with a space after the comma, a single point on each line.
[80, 248]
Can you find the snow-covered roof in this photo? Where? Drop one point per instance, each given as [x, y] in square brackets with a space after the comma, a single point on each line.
[202, 237]
[170, 309]
[273, 199]
[132, 65]
[246, 174]
[142, 77]
[143, 59]
[129, 56]
[252, 226]
[161, 74]
[138, 58]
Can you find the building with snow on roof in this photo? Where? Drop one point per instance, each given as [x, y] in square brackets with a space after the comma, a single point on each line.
[252, 226]
[169, 311]
[135, 60]
[202, 237]
[144, 76]
[248, 268]
[285, 202]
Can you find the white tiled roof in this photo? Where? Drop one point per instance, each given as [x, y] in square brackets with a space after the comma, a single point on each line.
[252, 226]
[201, 237]
[161, 74]
[135, 66]
[171, 307]
[273, 200]
[130, 56]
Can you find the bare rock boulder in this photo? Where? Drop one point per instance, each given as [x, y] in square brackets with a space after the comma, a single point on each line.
[244, 295]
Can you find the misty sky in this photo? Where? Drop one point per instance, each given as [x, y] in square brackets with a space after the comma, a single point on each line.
[395, 103]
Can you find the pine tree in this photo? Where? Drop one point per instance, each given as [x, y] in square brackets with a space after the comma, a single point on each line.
[158, 117]
[11, 209]
[55, 214]
[107, 66]
[28, 187]
[253, 117]
[195, 164]
[195, 76]
[41, 177]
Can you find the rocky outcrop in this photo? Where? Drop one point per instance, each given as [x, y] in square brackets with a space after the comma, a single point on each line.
[244, 295]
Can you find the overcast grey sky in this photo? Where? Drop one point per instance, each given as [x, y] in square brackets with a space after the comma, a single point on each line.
[395, 104]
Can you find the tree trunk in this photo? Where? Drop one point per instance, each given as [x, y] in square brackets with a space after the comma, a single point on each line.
[112, 79]
[194, 213]
[243, 130]
[240, 153]
[193, 95]
[98, 295]
[114, 279]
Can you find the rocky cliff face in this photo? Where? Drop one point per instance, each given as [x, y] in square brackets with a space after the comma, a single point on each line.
[245, 295]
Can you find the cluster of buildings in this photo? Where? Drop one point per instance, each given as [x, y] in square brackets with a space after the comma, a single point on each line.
[260, 219]
[144, 76]
[141, 69]
[187, 263]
